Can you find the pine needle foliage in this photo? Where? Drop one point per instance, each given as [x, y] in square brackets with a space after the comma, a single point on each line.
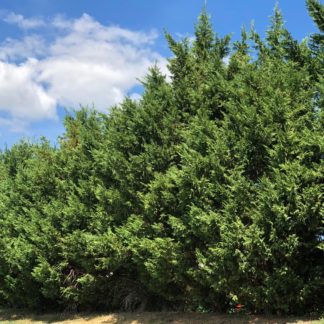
[205, 193]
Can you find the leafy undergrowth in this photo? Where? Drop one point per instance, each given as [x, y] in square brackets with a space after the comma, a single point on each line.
[20, 317]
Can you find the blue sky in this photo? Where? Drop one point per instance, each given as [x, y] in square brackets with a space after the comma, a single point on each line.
[57, 54]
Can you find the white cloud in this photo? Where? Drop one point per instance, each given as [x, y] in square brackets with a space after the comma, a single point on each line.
[25, 23]
[20, 49]
[21, 96]
[85, 63]
[14, 125]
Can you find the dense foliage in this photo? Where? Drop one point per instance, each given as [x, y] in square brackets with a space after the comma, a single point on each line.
[205, 193]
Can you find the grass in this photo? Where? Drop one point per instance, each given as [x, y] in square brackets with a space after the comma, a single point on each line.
[20, 317]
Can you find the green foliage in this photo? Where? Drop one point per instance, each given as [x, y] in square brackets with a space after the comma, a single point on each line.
[205, 193]
[316, 11]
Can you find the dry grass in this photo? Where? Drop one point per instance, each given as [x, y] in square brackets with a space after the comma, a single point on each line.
[9, 316]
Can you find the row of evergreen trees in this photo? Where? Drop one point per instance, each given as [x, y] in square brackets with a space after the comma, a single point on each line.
[205, 193]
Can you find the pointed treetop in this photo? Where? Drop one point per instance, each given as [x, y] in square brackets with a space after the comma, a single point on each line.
[277, 32]
[277, 22]
[316, 10]
[242, 45]
[154, 78]
[204, 35]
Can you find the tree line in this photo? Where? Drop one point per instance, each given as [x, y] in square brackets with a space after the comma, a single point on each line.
[205, 193]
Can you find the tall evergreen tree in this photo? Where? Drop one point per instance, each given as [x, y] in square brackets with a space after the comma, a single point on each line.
[206, 192]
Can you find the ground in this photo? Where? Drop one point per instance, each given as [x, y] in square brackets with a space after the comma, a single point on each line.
[15, 317]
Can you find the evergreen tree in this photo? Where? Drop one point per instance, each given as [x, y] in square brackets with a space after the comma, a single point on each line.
[206, 192]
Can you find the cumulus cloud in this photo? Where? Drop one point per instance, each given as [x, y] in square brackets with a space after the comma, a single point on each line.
[78, 62]
[21, 96]
[20, 49]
